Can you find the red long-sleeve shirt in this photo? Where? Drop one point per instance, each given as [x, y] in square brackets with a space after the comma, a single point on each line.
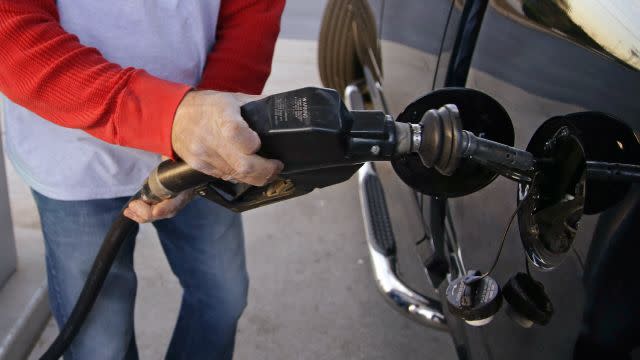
[48, 71]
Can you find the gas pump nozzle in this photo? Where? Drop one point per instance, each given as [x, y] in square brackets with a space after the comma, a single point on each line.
[322, 143]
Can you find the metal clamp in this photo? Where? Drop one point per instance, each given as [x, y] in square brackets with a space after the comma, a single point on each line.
[416, 137]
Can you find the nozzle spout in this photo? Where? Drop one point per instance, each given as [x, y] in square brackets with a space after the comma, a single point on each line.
[441, 143]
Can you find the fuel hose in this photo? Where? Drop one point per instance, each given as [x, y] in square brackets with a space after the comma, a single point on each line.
[120, 230]
[166, 181]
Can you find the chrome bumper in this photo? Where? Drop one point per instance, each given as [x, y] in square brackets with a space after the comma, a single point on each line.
[401, 297]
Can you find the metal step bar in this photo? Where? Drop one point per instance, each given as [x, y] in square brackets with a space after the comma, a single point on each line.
[401, 297]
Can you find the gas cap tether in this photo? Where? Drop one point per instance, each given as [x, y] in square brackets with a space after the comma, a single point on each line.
[476, 297]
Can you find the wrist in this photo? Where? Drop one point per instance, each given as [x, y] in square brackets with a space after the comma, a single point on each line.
[150, 110]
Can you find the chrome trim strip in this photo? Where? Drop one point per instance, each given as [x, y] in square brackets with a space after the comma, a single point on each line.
[401, 297]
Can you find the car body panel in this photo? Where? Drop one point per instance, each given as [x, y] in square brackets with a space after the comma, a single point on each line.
[538, 64]
[409, 58]
[536, 73]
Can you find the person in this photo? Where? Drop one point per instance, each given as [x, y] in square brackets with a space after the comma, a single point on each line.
[96, 92]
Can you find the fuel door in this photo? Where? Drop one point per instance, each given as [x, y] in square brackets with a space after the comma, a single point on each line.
[581, 156]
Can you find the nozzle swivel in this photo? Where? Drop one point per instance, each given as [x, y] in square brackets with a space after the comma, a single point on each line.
[441, 143]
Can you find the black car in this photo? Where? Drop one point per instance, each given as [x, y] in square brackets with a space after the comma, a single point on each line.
[556, 77]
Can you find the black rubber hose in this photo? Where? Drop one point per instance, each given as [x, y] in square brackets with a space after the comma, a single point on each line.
[121, 228]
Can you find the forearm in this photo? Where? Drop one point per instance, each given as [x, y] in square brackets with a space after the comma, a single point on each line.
[47, 70]
[240, 60]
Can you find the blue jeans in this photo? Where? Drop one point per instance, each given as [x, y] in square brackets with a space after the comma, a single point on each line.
[204, 245]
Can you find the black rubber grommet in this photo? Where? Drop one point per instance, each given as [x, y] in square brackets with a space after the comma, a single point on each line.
[456, 141]
[431, 146]
[444, 161]
[527, 297]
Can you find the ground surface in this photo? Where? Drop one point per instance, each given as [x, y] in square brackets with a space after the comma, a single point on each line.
[311, 295]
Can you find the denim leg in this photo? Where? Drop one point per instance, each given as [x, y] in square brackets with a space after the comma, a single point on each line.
[73, 232]
[204, 245]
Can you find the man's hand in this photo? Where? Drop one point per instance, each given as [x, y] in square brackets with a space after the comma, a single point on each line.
[210, 135]
[141, 212]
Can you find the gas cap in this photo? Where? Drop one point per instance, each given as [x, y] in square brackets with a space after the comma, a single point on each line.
[474, 298]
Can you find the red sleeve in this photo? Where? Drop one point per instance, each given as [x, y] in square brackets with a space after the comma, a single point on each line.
[48, 71]
[240, 60]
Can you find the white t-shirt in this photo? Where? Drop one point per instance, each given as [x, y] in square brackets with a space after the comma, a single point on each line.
[168, 38]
